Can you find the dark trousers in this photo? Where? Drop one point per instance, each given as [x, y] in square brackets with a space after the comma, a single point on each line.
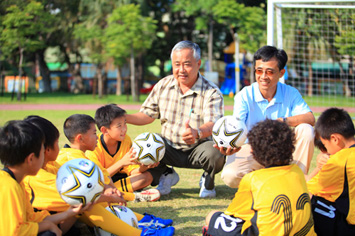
[328, 220]
[203, 156]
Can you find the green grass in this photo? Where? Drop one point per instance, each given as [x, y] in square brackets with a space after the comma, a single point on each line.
[183, 205]
[68, 98]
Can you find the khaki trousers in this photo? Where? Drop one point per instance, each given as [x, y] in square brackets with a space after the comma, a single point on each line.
[242, 162]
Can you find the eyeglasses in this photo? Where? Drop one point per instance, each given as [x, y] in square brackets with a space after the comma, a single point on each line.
[267, 72]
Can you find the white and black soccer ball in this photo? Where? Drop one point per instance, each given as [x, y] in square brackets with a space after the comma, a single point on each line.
[79, 181]
[229, 131]
[122, 212]
[149, 148]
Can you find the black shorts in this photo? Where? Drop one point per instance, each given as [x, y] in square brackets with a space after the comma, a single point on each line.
[225, 225]
[118, 176]
[328, 220]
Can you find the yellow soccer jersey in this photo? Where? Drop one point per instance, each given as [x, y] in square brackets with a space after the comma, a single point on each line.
[17, 216]
[335, 182]
[43, 191]
[106, 160]
[67, 153]
[274, 201]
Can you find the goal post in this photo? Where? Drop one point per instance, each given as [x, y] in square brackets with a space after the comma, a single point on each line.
[319, 38]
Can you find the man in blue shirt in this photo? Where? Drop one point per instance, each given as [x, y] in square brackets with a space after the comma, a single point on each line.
[268, 98]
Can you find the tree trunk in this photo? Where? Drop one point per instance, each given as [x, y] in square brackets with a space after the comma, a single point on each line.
[19, 85]
[162, 68]
[310, 79]
[43, 68]
[118, 82]
[210, 45]
[100, 84]
[78, 80]
[134, 83]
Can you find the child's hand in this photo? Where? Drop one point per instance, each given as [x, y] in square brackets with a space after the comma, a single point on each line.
[46, 225]
[130, 158]
[112, 195]
[322, 159]
[79, 209]
[152, 165]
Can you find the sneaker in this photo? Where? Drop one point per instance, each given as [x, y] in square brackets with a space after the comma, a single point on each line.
[167, 180]
[204, 193]
[204, 231]
[149, 195]
[157, 231]
[151, 220]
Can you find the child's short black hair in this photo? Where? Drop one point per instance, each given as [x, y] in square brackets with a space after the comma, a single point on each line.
[18, 139]
[106, 114]
[318, 143]
[272, 143]
[51, 133]
[334, 121]
[77, 124]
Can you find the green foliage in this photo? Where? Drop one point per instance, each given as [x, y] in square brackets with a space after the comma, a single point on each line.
[248, 22]
[347, 34]
[127, 29]
[21, 27]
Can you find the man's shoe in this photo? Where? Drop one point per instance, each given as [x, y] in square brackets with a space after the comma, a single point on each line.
[167, 180]
[204, 193]
[157, 231]
[149, 195]
[151, 220]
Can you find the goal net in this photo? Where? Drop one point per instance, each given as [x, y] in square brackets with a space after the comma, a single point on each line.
[319, 38]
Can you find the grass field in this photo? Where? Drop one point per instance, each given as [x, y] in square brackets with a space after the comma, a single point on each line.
[183, 204]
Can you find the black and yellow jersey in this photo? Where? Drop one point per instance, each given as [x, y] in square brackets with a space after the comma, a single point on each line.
[335, 182]
[274, 201]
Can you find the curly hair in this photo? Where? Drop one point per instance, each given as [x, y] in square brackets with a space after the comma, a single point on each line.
[272, 143]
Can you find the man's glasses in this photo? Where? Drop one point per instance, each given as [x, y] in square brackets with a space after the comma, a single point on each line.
[267, 72]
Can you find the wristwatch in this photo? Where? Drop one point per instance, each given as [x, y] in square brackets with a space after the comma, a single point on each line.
[199, 133]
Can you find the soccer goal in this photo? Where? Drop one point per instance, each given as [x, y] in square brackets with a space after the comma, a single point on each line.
[319, 38]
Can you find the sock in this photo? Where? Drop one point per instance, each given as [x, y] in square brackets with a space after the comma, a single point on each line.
[104, 219]
[124, 185]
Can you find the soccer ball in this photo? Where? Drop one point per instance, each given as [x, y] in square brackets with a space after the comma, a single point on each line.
[122, 212]
[79, 181]
[229, 131]
[150, 148]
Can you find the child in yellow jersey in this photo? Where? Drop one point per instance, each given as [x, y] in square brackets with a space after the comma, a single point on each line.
[114, 151]
[270, 201]
[80, 130]
[333, 187]
[22, 154]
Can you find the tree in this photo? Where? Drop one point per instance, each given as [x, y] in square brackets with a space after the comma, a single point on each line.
[248, 22]
[127, 34]
[21, 27]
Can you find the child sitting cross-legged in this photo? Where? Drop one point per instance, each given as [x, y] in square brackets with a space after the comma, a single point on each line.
[22, 154]
[115, 153]
[80, 130]
[333, 187]
[270, 201]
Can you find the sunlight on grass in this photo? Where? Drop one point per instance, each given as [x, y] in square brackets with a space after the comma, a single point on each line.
[183, 204]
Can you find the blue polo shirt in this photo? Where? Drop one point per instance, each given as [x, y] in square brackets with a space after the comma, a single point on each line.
[252, 107]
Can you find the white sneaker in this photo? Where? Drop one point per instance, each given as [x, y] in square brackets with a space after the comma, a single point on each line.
[167, 180]
[204, 193]
[149, 195]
